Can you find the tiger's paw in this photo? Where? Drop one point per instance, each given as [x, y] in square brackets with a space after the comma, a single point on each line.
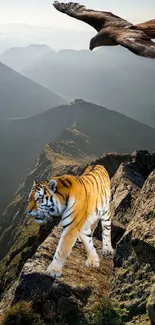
[54, 271]
[108, 252]
[93, 261]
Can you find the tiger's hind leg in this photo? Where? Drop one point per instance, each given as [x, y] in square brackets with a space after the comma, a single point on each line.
[107, 249]
[92, 256]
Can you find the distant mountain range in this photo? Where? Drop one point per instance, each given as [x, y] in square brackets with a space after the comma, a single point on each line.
[111, 77]
[20, 96]
[19, 57]
[23, 34]
[21, 140]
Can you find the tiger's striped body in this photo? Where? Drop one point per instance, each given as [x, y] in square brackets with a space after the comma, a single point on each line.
[81, 201]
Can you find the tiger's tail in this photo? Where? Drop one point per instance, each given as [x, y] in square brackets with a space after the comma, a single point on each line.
[147, 27]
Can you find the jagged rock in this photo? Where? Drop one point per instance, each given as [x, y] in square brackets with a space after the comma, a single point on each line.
[126, 184]
[112, 161]
[134, 256]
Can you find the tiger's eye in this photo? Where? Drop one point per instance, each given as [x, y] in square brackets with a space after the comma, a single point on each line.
[39, 200]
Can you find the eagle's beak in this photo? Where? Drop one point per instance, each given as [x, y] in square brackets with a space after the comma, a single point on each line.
[91, 47]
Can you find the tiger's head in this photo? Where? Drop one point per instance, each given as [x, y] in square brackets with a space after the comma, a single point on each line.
[43, 201]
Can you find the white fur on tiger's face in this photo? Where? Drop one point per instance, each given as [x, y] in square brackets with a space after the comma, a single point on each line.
[81, 201]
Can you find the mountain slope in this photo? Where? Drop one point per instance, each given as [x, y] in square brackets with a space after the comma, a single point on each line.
[112, 77]
[105, 131]
[21, 96]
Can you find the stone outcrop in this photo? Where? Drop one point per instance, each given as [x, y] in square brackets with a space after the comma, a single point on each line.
[127, 182]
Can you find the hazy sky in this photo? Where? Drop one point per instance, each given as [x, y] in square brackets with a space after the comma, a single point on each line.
[42, 13]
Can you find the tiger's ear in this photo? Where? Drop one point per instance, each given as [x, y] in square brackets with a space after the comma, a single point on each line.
[52, 185]
[35, 182]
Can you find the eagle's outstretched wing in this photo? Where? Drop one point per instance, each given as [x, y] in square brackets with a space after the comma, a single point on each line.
[96, 19]
[114, 29]
[138, 44]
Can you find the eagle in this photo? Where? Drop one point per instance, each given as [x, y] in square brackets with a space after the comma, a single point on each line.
[113, 30]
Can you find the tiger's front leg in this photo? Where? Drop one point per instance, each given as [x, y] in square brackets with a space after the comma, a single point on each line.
[63, 251]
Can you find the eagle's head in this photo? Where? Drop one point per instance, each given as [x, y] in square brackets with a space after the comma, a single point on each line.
[98, 40]
[101, 39]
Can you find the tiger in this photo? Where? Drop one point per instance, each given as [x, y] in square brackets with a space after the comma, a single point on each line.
[80, 201]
